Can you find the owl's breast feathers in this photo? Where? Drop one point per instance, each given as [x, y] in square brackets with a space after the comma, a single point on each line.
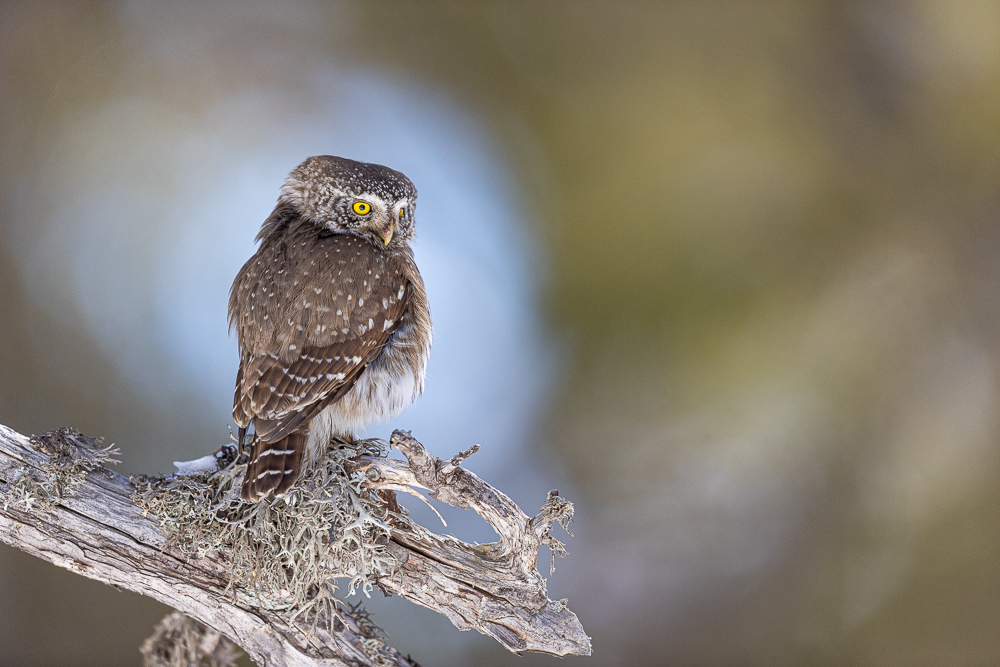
[312, 310]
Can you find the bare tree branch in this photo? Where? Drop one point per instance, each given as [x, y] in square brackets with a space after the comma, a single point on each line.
[60, 503]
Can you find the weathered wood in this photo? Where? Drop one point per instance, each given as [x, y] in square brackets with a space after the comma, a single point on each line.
[96, 530]
[494, 588]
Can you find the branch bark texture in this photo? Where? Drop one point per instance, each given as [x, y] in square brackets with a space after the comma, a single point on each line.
[60, 503]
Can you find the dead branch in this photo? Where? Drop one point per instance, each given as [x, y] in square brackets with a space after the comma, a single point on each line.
[58, 501]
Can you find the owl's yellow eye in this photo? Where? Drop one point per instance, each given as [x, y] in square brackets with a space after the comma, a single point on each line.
[362, 207]
[400, 213]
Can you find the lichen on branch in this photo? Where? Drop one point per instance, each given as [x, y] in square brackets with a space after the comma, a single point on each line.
[180, 641]
[237, 568]
[284, 553]
[71, 455]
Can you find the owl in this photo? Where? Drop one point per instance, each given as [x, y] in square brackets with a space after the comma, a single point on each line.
[331, 317]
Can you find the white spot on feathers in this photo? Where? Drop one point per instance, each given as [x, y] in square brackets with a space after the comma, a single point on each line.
[275, 452]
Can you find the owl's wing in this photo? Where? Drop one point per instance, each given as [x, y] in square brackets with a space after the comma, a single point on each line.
[312, 328]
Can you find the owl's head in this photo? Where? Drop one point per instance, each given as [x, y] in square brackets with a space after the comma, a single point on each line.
[347, 196]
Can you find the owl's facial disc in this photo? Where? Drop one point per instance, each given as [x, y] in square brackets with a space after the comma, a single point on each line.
[373, 214]
[349, 196]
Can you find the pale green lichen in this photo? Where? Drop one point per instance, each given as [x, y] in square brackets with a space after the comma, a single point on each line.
[179, 641]
[71, 456]
[286, 553]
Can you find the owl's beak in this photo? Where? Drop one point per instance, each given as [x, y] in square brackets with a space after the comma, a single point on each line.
[387, 233]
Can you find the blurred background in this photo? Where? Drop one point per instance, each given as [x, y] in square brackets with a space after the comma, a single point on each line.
[726, 274]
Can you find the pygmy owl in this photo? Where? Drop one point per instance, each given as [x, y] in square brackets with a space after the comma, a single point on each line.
[331, 316]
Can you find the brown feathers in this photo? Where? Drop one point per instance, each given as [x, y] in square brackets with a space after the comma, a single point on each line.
[311, 311]
[274, 466]
[308, 287]
[331, 322]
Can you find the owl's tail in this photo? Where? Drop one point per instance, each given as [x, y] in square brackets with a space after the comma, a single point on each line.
[274, 466]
